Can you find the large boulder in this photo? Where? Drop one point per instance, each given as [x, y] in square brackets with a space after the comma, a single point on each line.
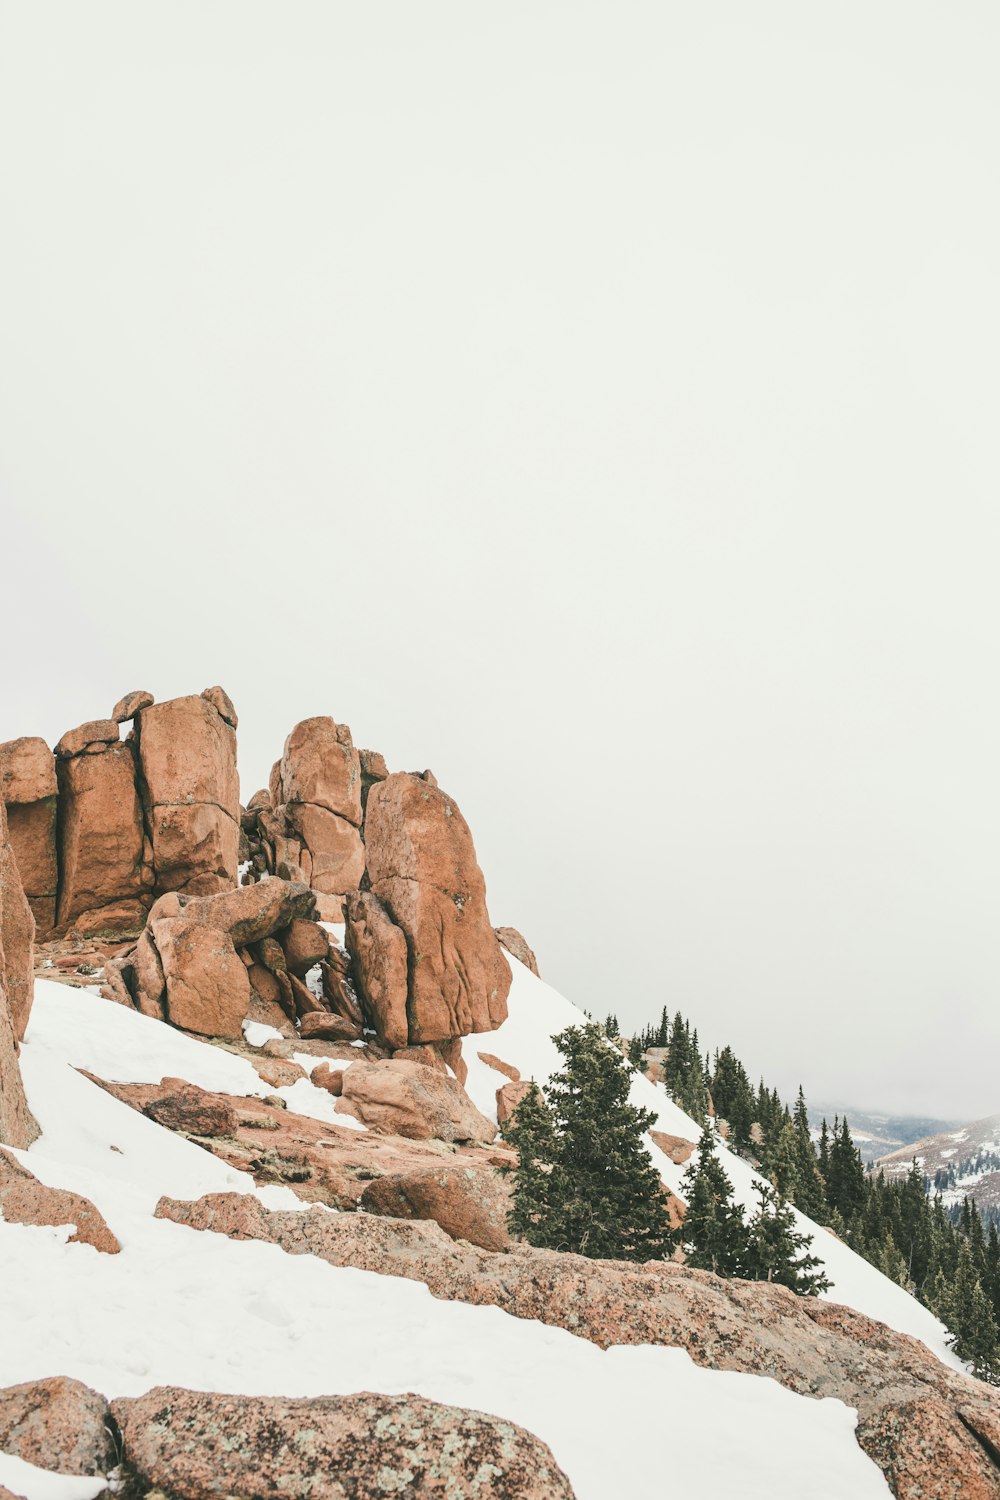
[57, 1424]
[100, 836]
[378, 948]
[316, 811]
[422, 867]
[207, 987]
[17, 1127]
[468, 1203]
[516, 945]
[407, 1098]
[187, 755]
[29, 789]
[25, 1200]
[186, 969]
[192, 1446]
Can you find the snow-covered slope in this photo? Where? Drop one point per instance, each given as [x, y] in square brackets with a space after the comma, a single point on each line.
[200, 1310]
[537, 1012]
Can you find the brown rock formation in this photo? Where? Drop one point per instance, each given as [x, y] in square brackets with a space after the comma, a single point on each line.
[378, 948]
[207, 988]
[192, 1446]
[132, 703]
[509, 1096]
[406, 1098]
[931, 1431]
[674, 1146]
[468, 1203]
[28, 787]
[515, 944]
[100, 836]
[57, 1424]
[17, 1127]
[25, 1200]
[422, 867]
[187, 753]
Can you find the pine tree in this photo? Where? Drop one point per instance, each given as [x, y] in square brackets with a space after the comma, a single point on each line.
[635, 1051]
[611, 1028]
[809, 1193]
[601, 1195]
[713, 1234]
[777, 1251]
[531, 1132]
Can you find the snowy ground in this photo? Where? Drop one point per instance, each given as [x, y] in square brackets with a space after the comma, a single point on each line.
[195, 1309]
[537, 1012]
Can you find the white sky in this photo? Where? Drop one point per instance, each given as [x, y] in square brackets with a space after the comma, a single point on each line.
[594, 402]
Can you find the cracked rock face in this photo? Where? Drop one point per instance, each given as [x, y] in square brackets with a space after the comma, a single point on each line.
[17, 1127]
[187, 755]
[28, 787]
[362, 1447]
[422, 868]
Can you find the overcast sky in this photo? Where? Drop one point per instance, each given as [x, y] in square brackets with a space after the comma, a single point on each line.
[596, 403]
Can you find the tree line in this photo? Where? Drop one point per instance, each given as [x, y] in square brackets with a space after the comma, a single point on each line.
[585, 1182]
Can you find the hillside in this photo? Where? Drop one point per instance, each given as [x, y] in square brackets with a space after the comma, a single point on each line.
[877, 1135]
[254, 1185]
[963, 1162]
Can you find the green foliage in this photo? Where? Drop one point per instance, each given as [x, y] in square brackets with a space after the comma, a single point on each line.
[778, 1251]
[584, 1181]
[713, 1233]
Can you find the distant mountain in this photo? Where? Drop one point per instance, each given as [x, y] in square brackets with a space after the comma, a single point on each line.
[961, 1162]
[878, 1135]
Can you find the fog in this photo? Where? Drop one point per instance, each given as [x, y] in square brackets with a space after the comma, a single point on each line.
[595, 403]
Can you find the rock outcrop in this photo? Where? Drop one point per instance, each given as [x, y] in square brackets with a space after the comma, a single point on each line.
[409, 1099]
[17, 1127]
[422, 868]
[192, 1445]
[187, 755]
[25, 1200]
[208, 963]
[29, 790]
[515, 944]
[57, 1424]
[468, 1203]
[103, 886]
[932, 1432]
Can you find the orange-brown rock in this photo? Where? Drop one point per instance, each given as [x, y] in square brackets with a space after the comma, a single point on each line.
[406, 1098]
[427, 1055]
[191, 1110]
[378, 950]
[320, 1025]
[17, 938]
[222, 703]
[193, 1446]
[250, 912]
[450, 1053]
[468, 1203]
[29, 789]
[57, 1424]
[305, 944]
[25, 1200]
[320, 765]
[206, 983]
[333, 845]
[515, 944]
[331, 1079]
[930, 1430]
[119, 919]
[78, 741]
[509, 1096]
[100, 833]
[187, 752]
[131, 704]
[422, 867]
[17, 1126]
[675, 1146]
[499, 1066]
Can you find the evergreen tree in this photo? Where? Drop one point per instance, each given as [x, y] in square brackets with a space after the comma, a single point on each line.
[584, 1181]
[777, 1251]
[713, 1234]
[635, 1051]
[531, 1132]
[809, 1193]
[611, 1028]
